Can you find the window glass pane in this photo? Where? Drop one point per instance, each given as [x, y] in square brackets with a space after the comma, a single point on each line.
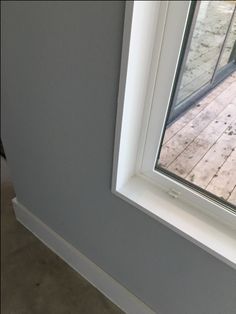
[229, 51]
[199, 144]
[209, 32]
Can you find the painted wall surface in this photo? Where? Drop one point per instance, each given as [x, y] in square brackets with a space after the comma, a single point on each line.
[60, 76]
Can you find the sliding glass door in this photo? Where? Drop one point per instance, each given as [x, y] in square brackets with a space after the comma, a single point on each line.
[228, 54]
[210, 52]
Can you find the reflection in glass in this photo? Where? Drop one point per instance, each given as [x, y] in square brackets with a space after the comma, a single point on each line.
[229, 51]
[211, 26]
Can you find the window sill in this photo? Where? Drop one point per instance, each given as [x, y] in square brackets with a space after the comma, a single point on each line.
[215, 237]
[201, 229]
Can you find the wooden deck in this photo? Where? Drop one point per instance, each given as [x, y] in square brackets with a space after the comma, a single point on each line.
[201, 145]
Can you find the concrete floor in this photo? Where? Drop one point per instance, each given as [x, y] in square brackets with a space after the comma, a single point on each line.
[33, 279]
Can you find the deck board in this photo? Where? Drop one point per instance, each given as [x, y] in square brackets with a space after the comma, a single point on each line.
[200, 146]
[190, 114]
[223, 182]
[185, 162]
[177, 144]
[213, 160]
[232, 198]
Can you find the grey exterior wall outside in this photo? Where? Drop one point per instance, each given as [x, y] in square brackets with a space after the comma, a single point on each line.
[60, 76]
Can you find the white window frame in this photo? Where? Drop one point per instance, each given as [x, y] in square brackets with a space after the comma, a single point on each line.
[161, 94]
[144, 92]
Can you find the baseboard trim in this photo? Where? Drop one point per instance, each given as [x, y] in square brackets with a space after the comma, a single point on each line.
[114, 291]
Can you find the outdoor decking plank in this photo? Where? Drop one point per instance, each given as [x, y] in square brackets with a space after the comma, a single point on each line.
[232, 198]
[213, 160]
[188, 133]
[190, 114]
[185, 162]
[201, 144]
[223, 184]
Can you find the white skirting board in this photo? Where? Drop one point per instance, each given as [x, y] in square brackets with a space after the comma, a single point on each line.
[114, 291]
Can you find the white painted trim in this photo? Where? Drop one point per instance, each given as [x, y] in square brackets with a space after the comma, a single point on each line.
[159, 102]
[113, 290]
[215, 238]
[190, 217]
[137, 49]
[172, 37]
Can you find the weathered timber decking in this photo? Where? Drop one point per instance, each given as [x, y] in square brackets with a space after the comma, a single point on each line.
[201, 145]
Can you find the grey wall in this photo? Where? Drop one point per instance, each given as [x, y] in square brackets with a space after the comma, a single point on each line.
[60, 73]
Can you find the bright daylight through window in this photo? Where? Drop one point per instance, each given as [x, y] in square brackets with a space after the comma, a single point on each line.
[175, 143]
[198, 145]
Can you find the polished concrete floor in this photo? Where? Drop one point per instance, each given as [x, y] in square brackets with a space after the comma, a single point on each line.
[33, 279]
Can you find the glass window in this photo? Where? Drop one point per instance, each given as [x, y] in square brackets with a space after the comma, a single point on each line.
[199, 140]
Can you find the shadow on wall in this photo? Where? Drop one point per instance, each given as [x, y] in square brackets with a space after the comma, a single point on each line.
[2, 151]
